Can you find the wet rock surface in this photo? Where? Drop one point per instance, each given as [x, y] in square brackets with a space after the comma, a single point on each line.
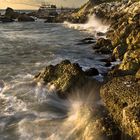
[121, 96]
[25, 18]
[64, 76]
[102, 46]
[10, 16]
[91, 72]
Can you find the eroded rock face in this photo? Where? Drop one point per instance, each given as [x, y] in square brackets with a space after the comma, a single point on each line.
[124, 33]
[121, 96]
[131, 61]
[63, 76]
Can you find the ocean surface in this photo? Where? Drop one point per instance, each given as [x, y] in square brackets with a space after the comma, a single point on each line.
[28, 112]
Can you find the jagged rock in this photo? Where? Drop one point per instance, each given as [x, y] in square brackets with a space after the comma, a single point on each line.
[133, 40]
[11, 14]
[121, 96]
[131, 61]
[103, 50]
[119, 51]
[25, 18]
[63, 76]
[102, 43]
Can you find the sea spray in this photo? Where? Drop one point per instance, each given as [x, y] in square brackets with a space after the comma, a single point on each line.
[93, 25]
[59, 127]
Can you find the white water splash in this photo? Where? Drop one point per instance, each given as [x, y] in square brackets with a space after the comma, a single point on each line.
[11, 103]
[93, 26]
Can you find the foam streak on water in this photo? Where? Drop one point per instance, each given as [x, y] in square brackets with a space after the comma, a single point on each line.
[28, 110]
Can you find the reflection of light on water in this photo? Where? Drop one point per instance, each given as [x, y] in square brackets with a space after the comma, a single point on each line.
[93, 26]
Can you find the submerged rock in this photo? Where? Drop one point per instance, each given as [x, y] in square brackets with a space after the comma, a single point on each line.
[5, 19]
[25, 18]
[91, 72]
[121, 96]
[63, 76]
[88, 40]
[50, 19]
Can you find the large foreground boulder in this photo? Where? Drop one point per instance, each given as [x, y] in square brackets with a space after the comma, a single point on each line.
[122, 99]
[62, 76]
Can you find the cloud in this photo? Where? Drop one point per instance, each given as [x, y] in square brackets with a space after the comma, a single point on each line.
[27, 4]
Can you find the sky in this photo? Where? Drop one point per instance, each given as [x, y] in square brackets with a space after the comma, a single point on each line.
[34, 4]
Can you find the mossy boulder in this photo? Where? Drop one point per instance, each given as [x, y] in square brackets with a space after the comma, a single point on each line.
[63, 76]
[121, 97]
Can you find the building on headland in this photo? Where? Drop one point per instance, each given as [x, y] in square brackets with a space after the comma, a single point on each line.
[48, 9]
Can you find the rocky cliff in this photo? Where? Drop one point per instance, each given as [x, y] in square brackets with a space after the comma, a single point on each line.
[121, 93]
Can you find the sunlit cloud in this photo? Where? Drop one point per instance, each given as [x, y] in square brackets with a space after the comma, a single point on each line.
[34, 4]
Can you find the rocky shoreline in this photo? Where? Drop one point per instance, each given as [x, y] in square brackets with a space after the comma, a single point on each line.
[121, 89]
[120, 92]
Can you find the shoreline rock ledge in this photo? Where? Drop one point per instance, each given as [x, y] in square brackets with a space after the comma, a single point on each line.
[121, 96]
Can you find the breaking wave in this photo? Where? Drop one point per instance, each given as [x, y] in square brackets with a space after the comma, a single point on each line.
[93, 25]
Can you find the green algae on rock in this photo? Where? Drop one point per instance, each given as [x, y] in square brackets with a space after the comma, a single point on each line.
[121, 96]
